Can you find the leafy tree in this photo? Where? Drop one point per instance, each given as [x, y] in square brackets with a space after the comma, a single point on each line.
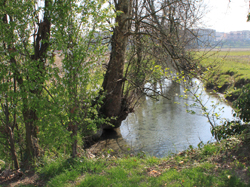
[78, 36]
[45, 102]
[24, 68]
[152, 33]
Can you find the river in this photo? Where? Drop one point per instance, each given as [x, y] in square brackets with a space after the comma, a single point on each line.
[159, 127]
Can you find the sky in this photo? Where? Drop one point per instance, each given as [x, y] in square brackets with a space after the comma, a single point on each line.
[225, 17]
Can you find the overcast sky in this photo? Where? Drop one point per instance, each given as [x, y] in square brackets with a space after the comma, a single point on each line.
[225, 16]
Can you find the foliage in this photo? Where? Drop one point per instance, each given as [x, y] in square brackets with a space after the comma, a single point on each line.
[228, 129]
[47, 98]
[82, 54]
[242, 104]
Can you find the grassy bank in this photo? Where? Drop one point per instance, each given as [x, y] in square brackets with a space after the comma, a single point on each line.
[216, 164]
[227, 71]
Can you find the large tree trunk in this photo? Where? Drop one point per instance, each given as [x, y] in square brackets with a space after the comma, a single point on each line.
[113, 103]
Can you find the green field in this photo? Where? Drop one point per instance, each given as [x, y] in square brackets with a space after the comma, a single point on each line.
[227, 70]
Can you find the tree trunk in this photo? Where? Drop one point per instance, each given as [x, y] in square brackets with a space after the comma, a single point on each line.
[113, 80]
[13, 150]
[30, 150]
[74, 138]
[10, 134]
[41, 45]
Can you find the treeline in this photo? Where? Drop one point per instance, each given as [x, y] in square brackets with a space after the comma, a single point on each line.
[235, 44]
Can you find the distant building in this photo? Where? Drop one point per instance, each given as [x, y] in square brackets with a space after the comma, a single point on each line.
[204, 37]
[219, 36]
[246, 35]
[233, 35]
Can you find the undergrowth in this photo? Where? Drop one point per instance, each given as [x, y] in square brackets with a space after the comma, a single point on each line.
[224, 163]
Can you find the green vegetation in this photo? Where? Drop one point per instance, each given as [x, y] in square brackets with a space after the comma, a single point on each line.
[242, 104]
[227, 71]
[47, 104]
[215, 164]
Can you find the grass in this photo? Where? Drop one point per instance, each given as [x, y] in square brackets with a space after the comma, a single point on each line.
[227, 71]
[216, 164]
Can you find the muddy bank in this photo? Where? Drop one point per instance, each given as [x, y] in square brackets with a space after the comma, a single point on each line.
[111, 142]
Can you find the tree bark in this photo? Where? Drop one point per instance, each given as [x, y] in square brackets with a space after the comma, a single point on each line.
[74, 143]
[13, 150]
[9, 131]
[113, 80]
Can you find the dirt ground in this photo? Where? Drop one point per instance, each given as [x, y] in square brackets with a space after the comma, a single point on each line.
[17, 178]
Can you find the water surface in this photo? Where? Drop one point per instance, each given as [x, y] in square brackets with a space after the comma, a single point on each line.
[162, 127]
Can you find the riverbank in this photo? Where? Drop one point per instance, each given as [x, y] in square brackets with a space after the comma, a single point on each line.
[227, 71]
[217, 164]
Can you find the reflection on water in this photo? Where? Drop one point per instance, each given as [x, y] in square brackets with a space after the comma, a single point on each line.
[160, 127]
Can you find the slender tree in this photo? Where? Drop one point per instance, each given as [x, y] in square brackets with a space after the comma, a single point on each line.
[25, 63]
[78, 36]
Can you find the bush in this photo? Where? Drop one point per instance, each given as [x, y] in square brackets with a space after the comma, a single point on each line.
[242, 104]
